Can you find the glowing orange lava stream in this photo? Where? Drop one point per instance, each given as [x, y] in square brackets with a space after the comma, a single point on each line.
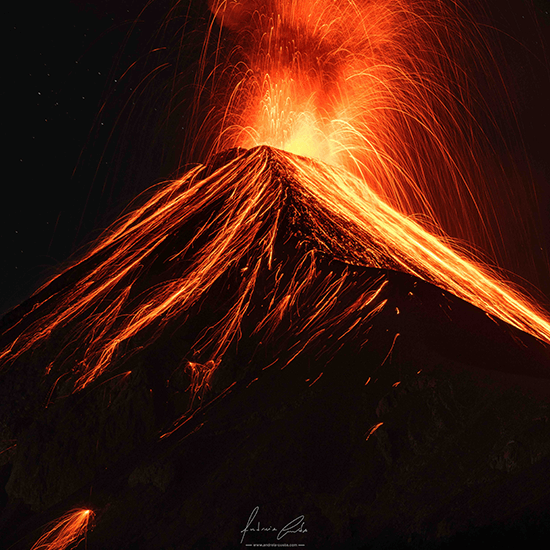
[245, 228]
[380, 108]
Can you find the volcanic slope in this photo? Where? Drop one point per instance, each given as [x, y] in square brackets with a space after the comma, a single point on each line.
[232, 343]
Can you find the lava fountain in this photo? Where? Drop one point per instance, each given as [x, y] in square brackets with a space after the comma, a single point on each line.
[383, 88]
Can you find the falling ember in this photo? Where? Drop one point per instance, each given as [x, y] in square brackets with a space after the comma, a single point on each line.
[66, 531]
[316, 379]
[373, 429]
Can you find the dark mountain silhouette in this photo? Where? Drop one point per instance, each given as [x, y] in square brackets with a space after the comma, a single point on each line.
[294, 378]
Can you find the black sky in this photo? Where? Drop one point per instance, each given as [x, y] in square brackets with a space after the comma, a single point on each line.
[86, 135]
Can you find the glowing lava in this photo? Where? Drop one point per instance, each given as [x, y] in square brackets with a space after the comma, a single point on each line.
[235, 215]
[351, 115]
[372, 89]
[382, 88]
[66, 531]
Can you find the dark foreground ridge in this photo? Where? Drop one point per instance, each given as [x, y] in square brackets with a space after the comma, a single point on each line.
[374, 409]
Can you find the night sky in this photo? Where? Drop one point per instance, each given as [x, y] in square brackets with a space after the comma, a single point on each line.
[94, 119]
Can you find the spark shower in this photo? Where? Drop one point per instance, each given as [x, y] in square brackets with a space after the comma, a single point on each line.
[375, 91]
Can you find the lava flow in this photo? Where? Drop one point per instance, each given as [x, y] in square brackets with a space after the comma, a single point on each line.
[239, 210]
[328, 80]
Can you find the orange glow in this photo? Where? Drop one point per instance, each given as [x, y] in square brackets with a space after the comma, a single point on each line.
[66, 531]
[375, 87]
[374, 234]
[316, 379]
[388, 355]
[368, 118]
[373, 429]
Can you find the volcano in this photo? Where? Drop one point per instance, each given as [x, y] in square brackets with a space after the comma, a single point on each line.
[264, 353]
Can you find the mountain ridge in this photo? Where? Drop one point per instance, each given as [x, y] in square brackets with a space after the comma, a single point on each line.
[381, 407]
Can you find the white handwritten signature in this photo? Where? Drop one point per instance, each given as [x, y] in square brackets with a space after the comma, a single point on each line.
[294, 526]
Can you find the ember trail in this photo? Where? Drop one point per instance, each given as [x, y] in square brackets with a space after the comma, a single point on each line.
[239, 210]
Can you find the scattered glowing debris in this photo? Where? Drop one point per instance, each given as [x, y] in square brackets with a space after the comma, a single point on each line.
[336, 83]
[8, 448]
[391, 349]
[66, 531]
[373, 429]
[316, 379]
